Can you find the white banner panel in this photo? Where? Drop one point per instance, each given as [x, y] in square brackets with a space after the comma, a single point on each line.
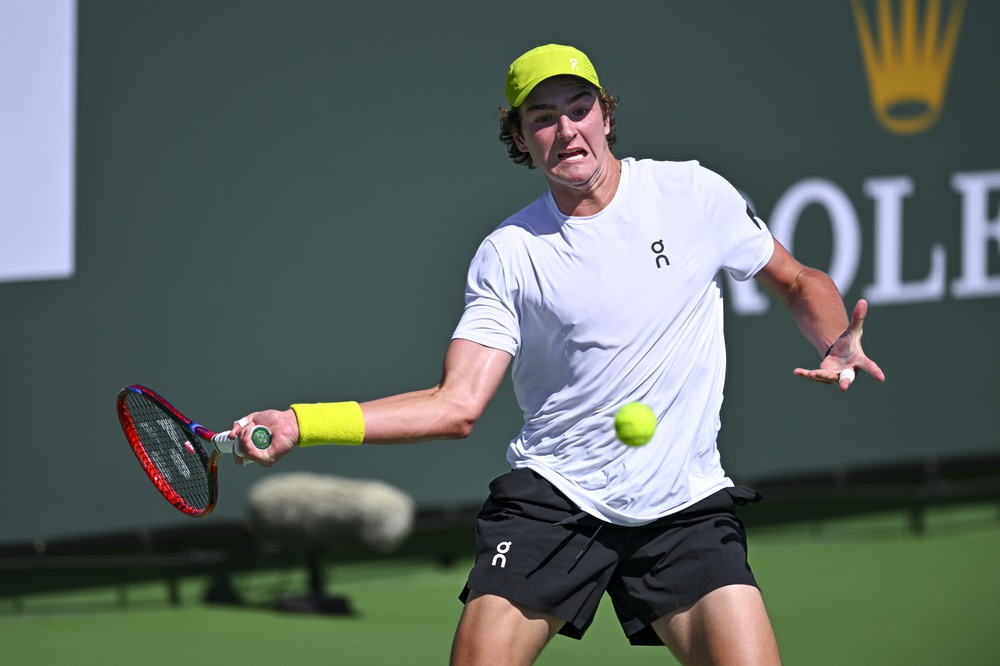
[37, 137]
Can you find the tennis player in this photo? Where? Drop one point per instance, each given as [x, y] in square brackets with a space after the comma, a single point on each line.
[604, 291]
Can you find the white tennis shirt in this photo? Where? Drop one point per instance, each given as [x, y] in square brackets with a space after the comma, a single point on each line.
[621, 306]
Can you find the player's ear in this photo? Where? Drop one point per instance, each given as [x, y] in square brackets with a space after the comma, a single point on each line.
[519, 141]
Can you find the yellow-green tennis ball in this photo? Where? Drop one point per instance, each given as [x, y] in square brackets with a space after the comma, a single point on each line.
[635, 424]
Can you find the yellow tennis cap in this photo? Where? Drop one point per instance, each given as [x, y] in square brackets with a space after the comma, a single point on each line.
[542, 63]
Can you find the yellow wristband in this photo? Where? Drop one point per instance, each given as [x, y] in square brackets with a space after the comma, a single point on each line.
[330, 423]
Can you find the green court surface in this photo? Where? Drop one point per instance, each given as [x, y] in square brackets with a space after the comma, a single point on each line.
[862, 591]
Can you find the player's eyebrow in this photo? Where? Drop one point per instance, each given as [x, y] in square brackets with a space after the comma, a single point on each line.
[548, 107]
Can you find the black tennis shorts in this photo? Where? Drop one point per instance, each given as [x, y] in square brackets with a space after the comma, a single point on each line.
[535, 547]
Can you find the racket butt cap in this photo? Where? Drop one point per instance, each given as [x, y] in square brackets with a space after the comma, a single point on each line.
[261, 437]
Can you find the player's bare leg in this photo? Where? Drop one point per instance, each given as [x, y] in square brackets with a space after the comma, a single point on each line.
[726, 626]
[499, 632]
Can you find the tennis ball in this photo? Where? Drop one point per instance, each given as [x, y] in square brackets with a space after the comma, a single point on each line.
[635, 424]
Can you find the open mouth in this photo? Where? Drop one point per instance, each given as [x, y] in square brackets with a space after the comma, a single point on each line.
[571, 155]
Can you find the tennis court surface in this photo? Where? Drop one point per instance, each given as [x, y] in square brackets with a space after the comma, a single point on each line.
[849, 591]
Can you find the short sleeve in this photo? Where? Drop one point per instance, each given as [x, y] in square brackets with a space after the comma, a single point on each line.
[742, 240]
[490, 317]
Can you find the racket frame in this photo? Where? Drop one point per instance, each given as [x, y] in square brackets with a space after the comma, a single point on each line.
[210, 461]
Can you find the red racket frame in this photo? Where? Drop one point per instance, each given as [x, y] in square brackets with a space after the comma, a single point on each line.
[210, 461]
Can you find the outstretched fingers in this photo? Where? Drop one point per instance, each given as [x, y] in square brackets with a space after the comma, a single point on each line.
[821, 375]
[846, 357]
[872, 369]
[858, 317]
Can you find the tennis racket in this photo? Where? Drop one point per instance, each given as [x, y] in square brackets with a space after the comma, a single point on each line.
[171, 449]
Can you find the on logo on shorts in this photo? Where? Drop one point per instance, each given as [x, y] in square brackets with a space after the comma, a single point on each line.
[502, 549]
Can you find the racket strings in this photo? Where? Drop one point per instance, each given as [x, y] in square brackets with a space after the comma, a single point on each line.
[174, 459]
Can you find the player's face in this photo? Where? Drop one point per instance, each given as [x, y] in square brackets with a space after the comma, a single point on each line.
[565, 132]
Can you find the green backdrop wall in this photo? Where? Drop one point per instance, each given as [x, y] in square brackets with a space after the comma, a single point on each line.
[277, 201]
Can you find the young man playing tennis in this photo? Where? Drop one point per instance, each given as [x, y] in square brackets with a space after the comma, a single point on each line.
[604, 291]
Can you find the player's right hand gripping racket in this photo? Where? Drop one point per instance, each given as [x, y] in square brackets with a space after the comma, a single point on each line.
[170, 448]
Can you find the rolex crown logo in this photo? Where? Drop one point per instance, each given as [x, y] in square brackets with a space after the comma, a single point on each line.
[909, 64]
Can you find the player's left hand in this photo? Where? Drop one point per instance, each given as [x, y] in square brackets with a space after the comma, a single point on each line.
[846, 356]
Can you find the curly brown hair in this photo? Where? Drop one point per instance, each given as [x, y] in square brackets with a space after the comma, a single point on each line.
[510, 122]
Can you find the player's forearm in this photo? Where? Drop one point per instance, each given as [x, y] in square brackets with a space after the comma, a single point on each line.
[449, 410]
[418, 416]
[818, 309]
[432, 414]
